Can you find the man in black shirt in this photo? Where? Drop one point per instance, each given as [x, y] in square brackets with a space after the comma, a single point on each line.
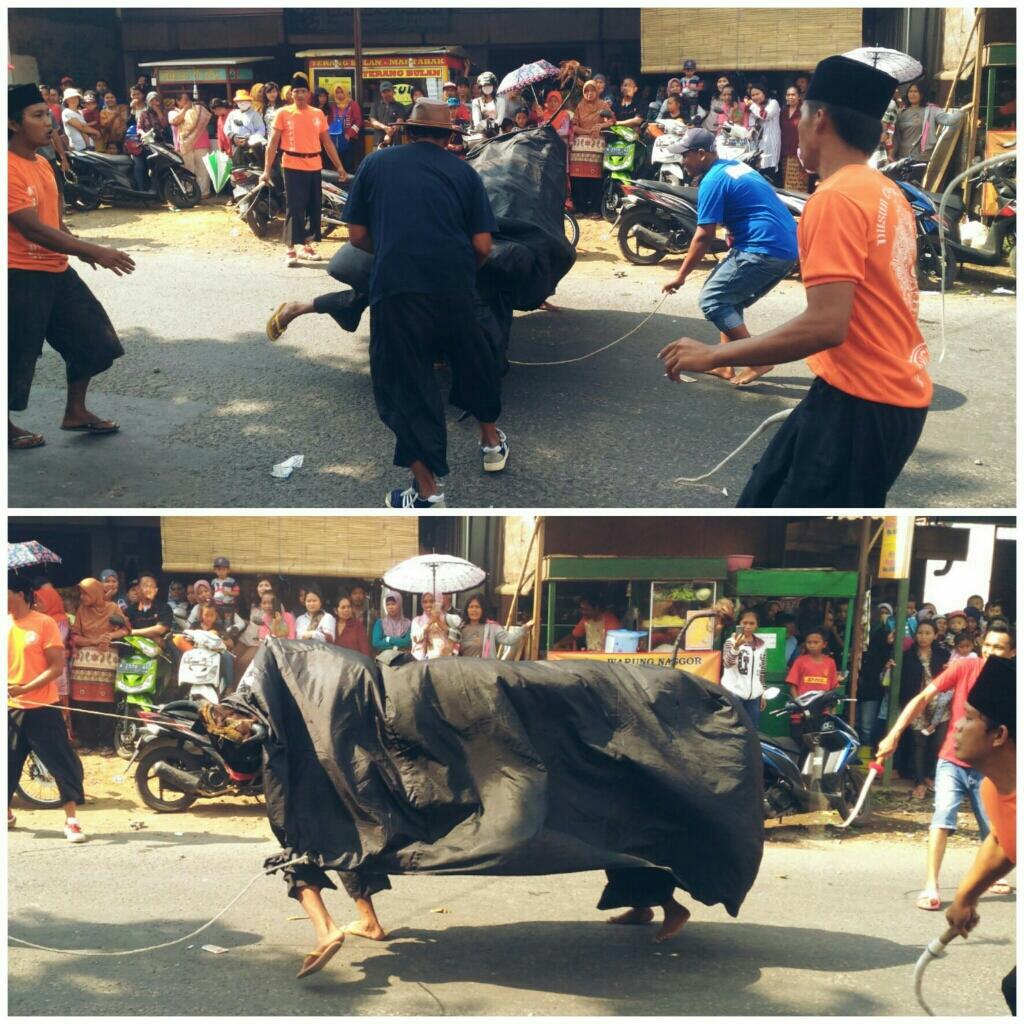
[148, 616]
[426, 218]
[626, 108]
[385, 113]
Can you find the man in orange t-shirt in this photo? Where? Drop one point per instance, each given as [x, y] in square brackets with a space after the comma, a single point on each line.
[986, 738]
[35, 660]
[847, 441]
[47, 300]
[300, 132]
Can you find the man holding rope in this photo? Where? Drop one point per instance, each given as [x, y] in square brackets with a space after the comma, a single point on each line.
[35, 660]
[986, 738]
[847, 441]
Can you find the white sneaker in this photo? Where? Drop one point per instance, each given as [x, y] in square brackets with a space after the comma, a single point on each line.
[495, 456]
[291, 259]
[73, 831]
[410, 498]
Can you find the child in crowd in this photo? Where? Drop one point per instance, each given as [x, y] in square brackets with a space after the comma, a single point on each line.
[813, 670]
[963, 648]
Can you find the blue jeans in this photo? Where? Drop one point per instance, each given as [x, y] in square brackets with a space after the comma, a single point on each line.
[753, 710]
[737, 282]
[139, 171]
[952, 784]
[867, 717]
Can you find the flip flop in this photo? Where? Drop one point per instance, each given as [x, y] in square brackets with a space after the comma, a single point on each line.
[1000, 888]
[321, 959]
[929, 900]
[274, 329]
[94, 427]
[23, 441]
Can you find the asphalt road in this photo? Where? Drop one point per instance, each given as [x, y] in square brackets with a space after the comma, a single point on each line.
[829, 929]
[207, 405]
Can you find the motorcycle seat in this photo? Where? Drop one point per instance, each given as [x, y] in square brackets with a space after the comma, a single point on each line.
[108, 158]
[683, 191]
[785, 743]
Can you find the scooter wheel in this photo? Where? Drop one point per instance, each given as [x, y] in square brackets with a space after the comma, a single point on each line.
[84, 200]
[258, 218]
[845, 800]
[152, 790]
[930, 268]
[634, 250]
[183, 198]
[126, 735]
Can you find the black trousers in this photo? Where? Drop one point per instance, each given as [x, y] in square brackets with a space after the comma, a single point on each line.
[636, 887]
[406, 331]
[60, 309]
[42, 731]
[834, 451]
[359, 884]
[1010, 991]
[303, 196]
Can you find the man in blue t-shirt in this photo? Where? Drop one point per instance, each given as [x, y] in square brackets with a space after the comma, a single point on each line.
[764, 247]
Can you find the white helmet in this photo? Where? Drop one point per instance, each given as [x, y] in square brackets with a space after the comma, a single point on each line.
[486, 78]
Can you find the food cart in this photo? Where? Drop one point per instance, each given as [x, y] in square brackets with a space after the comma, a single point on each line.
[206, 78]
[789, 587]
[425, 67]
[653, 598]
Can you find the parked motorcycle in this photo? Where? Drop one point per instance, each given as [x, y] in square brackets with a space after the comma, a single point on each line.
[655, 219]
[817, 768]
[620, 162]
[108, 178]
[136, 681]
[256, 203]
[177, 762]
[37, 787]
[200, 665]
[666, 160]
[335, 196]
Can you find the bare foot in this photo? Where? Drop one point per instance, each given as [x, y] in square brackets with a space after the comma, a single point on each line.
[549, 308]
[367, 929]
[749, 375]
[638, 915]
[675, 917]
[920, 792]
[725, 372]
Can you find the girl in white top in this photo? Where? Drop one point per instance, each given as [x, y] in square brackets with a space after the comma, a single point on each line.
[767, 113]
[316, 624]
[743, 666]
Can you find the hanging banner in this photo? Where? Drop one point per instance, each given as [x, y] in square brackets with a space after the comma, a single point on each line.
[706, 664]
[897, 542]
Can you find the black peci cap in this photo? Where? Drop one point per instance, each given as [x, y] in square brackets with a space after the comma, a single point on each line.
[844, 82]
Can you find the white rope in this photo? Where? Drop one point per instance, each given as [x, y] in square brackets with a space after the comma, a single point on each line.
[82, 711]
[777, 417]
[604, 348]
[163, 945]
[935, 949]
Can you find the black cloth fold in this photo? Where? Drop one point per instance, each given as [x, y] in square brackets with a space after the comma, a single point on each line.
[465, 766]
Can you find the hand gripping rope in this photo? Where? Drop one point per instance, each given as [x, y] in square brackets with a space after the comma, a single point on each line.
[304, 859]
[935, 949]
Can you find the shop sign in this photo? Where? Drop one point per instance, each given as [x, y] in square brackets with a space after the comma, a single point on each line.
[166, 75]
[897, 542]
[706, 664]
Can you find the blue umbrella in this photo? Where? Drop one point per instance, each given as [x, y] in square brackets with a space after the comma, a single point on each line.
[22, 554]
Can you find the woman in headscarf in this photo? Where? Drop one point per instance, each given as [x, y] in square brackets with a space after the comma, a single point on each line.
[586, 152]
[49, 602]
[203, 592]
[98, 623]
[345, 122]
[391, 632]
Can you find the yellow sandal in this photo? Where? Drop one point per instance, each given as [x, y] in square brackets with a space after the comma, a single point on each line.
[274, 329]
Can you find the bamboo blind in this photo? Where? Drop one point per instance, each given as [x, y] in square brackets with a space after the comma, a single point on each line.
[745, 39]
[348, 546]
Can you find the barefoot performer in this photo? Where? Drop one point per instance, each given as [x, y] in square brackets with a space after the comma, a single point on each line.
[847, 441]
[763, 252]
[477, 766]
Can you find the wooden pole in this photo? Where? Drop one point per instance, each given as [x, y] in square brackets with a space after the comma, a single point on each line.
[963, 60]
[357, 46]
[867, 542]
[972, 137]
[522, 575]
[538, 591]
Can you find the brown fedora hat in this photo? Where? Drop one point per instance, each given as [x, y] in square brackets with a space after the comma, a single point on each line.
[431, 114]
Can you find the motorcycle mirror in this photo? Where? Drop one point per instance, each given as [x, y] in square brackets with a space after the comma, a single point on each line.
[772, 692]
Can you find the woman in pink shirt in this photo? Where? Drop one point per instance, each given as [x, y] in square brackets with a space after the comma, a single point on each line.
[276, 621]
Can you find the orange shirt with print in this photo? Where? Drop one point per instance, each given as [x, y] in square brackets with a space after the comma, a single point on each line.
[859, 227]
[300, 133]
[1001, 809]
[32, 186]
[28, 640]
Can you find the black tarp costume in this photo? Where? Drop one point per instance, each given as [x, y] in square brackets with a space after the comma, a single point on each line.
[467, 766]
